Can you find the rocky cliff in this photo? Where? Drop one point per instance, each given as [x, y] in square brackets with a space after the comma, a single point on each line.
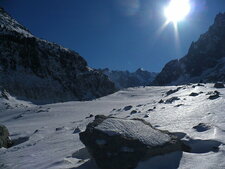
[35, 69]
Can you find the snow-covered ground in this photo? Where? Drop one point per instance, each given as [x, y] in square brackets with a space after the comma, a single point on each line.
[47, 138]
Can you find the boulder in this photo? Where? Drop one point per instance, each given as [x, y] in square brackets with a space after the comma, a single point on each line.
[213, 95]
[116, 143]
[4, 137]
[219, 85]
[193, 94]
[171, 100]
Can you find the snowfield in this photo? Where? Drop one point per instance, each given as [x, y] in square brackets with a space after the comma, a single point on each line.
[46, 137]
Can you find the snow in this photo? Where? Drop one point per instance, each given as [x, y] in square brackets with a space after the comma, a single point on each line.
[47, 148]
[135, 130]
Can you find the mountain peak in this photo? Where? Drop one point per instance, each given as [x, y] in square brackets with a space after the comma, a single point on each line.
[9, 26]
[204, 60]
[220, 19]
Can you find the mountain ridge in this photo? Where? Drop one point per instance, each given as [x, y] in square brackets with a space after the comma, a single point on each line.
[39, 70]
[125, 79]
[203, 62]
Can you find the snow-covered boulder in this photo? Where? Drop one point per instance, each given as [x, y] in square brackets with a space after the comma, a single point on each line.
[4, 137]
[117, 143]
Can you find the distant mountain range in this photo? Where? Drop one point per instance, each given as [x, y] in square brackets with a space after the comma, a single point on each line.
[35, 69]
[204, 62]
[125, 79]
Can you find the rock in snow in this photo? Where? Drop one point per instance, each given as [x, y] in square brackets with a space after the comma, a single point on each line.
[219, 85]
[117, 143]
[4, 137]
[36, 69]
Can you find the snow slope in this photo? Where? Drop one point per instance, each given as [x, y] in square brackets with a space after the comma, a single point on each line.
[48, 139]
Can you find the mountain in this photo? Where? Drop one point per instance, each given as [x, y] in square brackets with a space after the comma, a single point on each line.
[125, 79]
[205, 60]
[35, 69]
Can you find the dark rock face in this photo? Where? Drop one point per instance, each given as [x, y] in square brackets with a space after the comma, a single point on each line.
[125, 79]
[207, 53]
[4, 137]
[116, 143]
[40, 70]
[219, 85]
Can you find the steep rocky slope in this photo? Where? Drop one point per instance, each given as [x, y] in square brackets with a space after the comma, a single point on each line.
[205, 60]
[125, 79]
[43, 71]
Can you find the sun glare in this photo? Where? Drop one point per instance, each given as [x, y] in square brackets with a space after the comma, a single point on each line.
[177, 10]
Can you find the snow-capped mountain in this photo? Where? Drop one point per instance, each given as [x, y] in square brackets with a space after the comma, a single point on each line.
[205, 60]
[36, 69]
[125, 79]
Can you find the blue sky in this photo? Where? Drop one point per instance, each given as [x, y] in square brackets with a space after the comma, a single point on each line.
[118, 34]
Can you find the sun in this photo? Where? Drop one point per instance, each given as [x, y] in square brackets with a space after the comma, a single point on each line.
[177, 10]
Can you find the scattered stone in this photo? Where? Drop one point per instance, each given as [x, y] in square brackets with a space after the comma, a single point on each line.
[178, 105]
[77, 130]
[193, 94]
[154, 107]
[219, 85]
[171, 100]
[161, 101]
[5, 141]
[59, 128]
[150, 109]
[173, 91]
[116, 143]
[40, 111]
[90, 116]
[199, 84]
[18, 117]
[20, 140]
[213, 95]
[201, 127]
[36, 131]
[133, 112]
[139, 105]
[146, 116]
[126, 108]
[5, 94]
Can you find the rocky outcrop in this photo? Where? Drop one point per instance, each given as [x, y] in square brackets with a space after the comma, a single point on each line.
[205, 60]
[219, 85]
[125, 79]
[4, 137]
[40, 70]
[117, 143]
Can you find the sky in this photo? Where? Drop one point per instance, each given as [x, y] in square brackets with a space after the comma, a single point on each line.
[117, 34]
